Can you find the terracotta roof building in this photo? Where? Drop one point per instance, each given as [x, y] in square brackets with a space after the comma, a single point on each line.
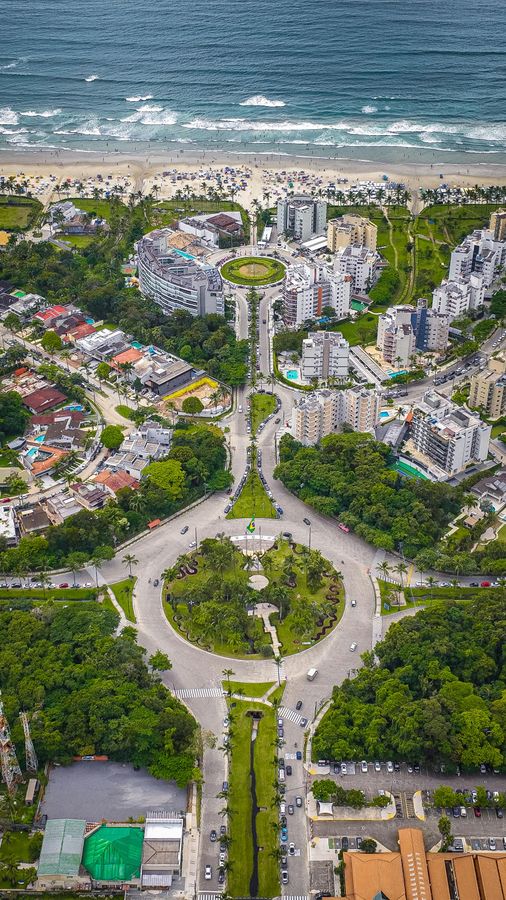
[115, 481]
[44, 398]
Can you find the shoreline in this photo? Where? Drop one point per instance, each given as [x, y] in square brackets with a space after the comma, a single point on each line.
[266, 173]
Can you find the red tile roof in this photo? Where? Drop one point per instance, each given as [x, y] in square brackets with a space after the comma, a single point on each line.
[127, 356]
[44, 398]
[115, 481]
[50, 313]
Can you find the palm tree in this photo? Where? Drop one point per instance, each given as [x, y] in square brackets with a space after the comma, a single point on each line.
[402, 569]
[431, 584]
[385, 569]
[227, 673]
[130, 560]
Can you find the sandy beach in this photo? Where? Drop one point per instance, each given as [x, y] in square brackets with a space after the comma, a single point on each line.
[256, 177]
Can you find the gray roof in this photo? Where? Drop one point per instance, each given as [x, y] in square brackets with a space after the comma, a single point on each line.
[62, 847]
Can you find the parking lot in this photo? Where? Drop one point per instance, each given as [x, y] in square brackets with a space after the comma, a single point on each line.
[403, 784]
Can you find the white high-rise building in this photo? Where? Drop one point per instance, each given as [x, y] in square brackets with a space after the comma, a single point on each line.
[175, 282]
[325, 411]
[301, 216]
[455, 297]
[449, 437]
[325, 354]
[361, 264]
[396, 336]
[307, 290]
[480, 252]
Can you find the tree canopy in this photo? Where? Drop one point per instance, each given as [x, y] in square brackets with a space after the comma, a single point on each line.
[112, 437]
[13, 415]
[434, 691]
[347, 476]
[91, 691]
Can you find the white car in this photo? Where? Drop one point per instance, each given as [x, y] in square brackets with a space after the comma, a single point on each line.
[390, 768]
[377, 766]
[282, 808]
[364, 767]
[208, 873]
[344, 769]
[353, 646]
[291, 848]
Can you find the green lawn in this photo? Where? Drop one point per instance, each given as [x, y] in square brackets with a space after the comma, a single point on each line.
[253, 501]
[501, 534]
[262, 405]
[101, 208]
[240, 802]
[253, 270]
[423, 595]
[123, 591]
[78, 240]
[498, 429]
[249, 689]
[17, 213]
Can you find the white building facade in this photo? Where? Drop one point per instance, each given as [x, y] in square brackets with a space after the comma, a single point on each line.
[176, 282]
[301, 216]
[323, 413]
[456, 297]
[308, 289]
[361, 264]
[449, 437]
[325, 354]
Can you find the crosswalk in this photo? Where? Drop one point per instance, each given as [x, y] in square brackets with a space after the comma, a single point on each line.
[290, 714]
[216, 895]
[295, 897]
[189, 693]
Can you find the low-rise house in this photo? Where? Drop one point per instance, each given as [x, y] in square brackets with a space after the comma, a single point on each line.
[491, 490]
[75, 333]
[150, 442]
[8, 531]
[162, 850]
[43, 399]
[60, 857]
[33, 520]
[91, 496]
[7, 472]
[61, 506]
[116, 481]
[51, 316]
[103, 344]
[40, 458]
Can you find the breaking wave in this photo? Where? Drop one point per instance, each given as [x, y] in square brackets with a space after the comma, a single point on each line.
[260, 100]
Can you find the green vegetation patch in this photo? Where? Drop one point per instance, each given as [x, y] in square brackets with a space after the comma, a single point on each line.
[48, 593]
[432, 692]
[262, 405]
[248, 689]
[253, 270]
[17, 213]
[252, 501]
[239, 801]
[123, 591]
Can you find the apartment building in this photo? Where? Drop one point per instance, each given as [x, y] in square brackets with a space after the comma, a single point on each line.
[450, 438]
[307, 290]
[488, 388]
[325, 411]
[301, 216]
[175, 280]
[498, 224]
[480, 252]
[325, 354]
[402, 330]
[456, 296]
[351, 231]
[361, 264]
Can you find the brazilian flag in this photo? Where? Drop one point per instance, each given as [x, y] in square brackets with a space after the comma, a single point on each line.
[251, 526]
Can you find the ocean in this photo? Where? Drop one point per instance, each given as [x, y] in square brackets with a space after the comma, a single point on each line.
[369, 79]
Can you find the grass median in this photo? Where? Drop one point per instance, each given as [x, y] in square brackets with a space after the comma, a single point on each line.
[123, 591]
[253, 501]
[262, 405]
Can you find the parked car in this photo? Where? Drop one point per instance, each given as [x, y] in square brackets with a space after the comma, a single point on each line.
[377, 766]
[343, 527]
[298, 754]
[390, 767]
[284, 876]
[291, 848]
[284, 834]
[208, 873]
[288, 770]
[224, 786]
[353, 646]
[364, 767]
[344, 769]
[223, 829]
[282, 807]
[290, 809]
[213, 836]
[221, 875]
[184, 529]
[298, 802]
[477, 812]
[64, 584]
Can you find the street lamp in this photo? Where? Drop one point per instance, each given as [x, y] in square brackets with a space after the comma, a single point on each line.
[278, 660]
[309, 536]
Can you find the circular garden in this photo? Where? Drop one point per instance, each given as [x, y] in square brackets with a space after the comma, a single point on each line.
[253, 271]
[210, 595]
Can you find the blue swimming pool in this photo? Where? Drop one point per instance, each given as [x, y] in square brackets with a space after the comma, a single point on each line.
[385, 415]
[39, 439]
[136, 345]
[32, 452]
[292, 374]
[400, 372]
[183, 254]
[77, 407]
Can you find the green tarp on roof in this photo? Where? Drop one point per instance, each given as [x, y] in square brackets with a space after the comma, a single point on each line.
[114, 854]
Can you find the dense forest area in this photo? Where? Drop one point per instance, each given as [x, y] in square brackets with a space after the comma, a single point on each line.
[347, 476]
[434, 691]
[90, 692]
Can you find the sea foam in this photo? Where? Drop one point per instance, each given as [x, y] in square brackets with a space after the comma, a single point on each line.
[139, 99]
[46, 114]
[92, 78]
[260, 100]
[8, 116]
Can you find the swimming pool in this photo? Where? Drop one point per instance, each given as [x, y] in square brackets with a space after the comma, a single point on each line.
[385, 415]
[77, 407]
[292, 374]
[183, 254]
[400, 372]
[40, 439]
[136, 345]
[32, 452]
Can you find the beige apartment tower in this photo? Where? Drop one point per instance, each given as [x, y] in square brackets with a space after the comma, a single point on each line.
[498, 224]
[351, 231]
[488, 388]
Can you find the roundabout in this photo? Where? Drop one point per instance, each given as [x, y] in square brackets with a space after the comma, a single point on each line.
[253, 271]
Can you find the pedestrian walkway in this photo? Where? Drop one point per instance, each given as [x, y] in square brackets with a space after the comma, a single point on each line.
[290, 714]
[295, 897]
[189, 693]
[207, 895]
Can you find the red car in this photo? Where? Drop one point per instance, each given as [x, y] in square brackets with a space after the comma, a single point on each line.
[477, 812]
[63, 585]
[484, 583]
[343, 527]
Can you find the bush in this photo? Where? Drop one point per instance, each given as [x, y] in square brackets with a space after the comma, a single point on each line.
[112, 437]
